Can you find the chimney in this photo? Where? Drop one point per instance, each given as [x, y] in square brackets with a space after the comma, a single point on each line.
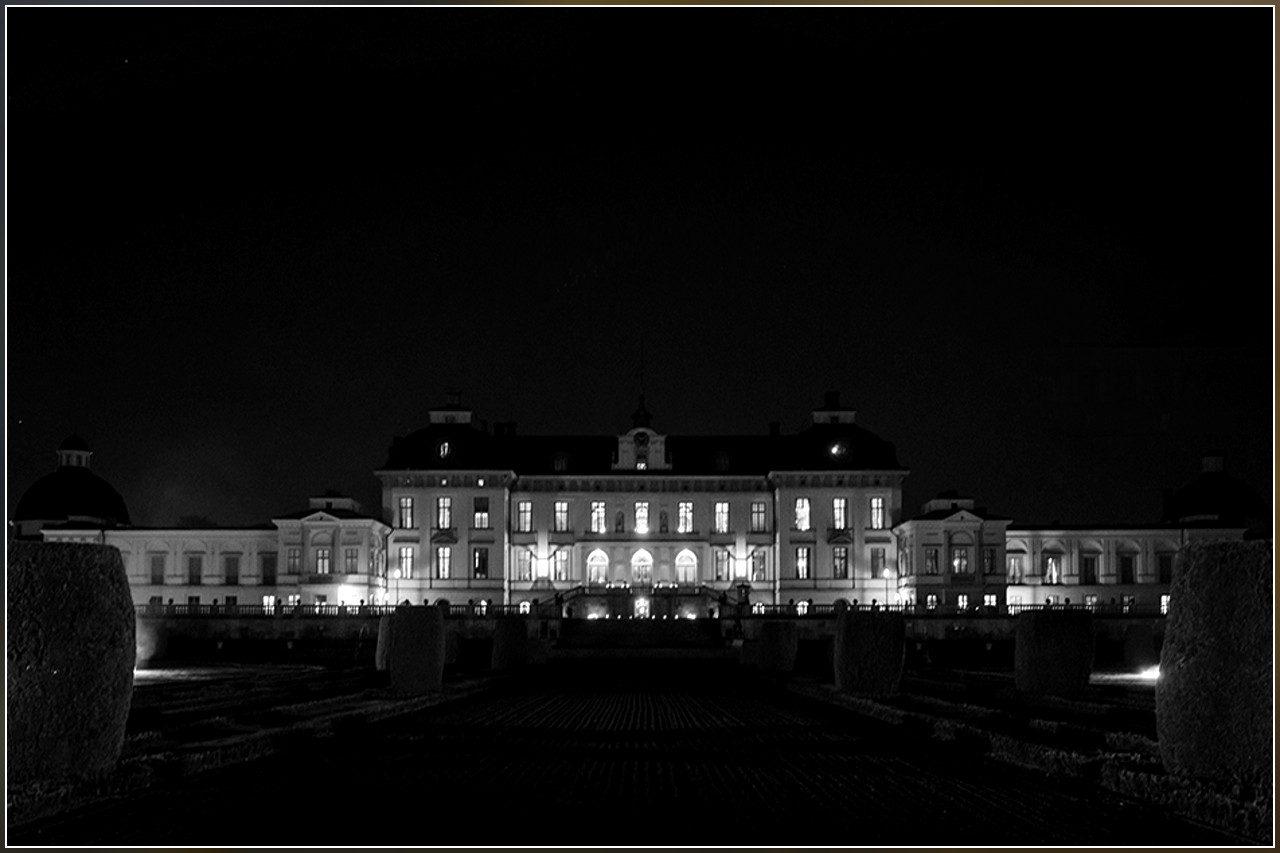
[775, 429]
[831, 400]
[1211, 463]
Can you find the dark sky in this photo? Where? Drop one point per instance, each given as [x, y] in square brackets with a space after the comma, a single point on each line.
[1032, 247]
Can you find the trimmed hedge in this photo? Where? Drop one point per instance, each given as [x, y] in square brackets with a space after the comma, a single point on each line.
[1214, 711]
[510, 643]
[72, 634]
[870, 652]
[1053, 652]
[1140, 646]
[417, 650]
[779, 642]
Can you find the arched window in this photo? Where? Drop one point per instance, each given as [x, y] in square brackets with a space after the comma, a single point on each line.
[642, 568]
[686, 567]
[597, 567]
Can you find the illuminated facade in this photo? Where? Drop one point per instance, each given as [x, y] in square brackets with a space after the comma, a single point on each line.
[643, 523]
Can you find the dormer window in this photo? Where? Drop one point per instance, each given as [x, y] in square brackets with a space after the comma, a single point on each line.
[641, 463]
[444, 449]
[839, 449]
[560, 461]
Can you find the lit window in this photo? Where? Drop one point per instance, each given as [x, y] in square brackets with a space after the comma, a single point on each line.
[960, 561]
[480, 563]
[642, 463]
[757, 607]
[988, 561]
[598, 567]
[686, 568]
[524, 516]
[444, 449]
[444, 561]
[989, 599]
[597, 517]
[931, 601]
[560, 564]
[930, 561]
[269, 602]
[352, 559]
[642, 516]
[758, 566]
[195, 567]
[802, 607]
[802, 563]
[561, 518]
[1015, 599]
[444, 513]
[757, 517]
[840, 513]
[877, 562]
[1014, 575]
[642, 568]
[524, 608]
[1050, 600]
[802, 513]
[1091, 601]
[1164, 603]
[877, 513]
[722, 565]
[722, 517]
[962, 601]
[840, 562]
[406, 513]
[406, 561]
[838, 449]
[1127, 601]
[1052, 569]
[524, 565]
[231, 569]
[684, 517]
[480, 513]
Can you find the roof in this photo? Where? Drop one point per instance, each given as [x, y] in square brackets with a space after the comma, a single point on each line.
[939, 514]
[821, 447]
[1216, 495]
[344, 514]
[71, 492]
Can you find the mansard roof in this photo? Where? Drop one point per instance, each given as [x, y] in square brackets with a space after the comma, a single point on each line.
[344, 514]
[821, 447]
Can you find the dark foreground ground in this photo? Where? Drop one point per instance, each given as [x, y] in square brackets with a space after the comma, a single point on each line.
[641, 752]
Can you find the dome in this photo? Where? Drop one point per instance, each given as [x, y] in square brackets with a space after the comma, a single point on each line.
[72, 493]
[75, 442]
[1216, 496]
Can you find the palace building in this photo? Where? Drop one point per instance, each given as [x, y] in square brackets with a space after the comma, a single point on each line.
[639, 524]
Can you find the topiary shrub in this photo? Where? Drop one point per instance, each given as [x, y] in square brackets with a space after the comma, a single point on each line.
[779, 642]
[71, 630]
[510, 644]
[1214, 712]
[382, 656]
[417, 650]
[1053, 652]
[870, 652]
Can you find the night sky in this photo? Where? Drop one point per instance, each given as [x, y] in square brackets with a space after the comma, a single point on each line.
[1033, 247]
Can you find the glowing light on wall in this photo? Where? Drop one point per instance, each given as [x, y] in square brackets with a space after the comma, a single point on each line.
[739, 567]
[348, 594]
[524, 607]
[1151, 673]
[542, 567]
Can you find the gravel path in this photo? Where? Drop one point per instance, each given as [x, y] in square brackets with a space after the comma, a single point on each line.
[653, 754]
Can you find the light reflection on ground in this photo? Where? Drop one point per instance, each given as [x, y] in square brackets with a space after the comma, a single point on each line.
[165, 675]
[1145, 678]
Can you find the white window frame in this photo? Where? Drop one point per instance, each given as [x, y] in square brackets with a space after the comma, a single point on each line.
[803, 519]
[684, 517]
[721, 517]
